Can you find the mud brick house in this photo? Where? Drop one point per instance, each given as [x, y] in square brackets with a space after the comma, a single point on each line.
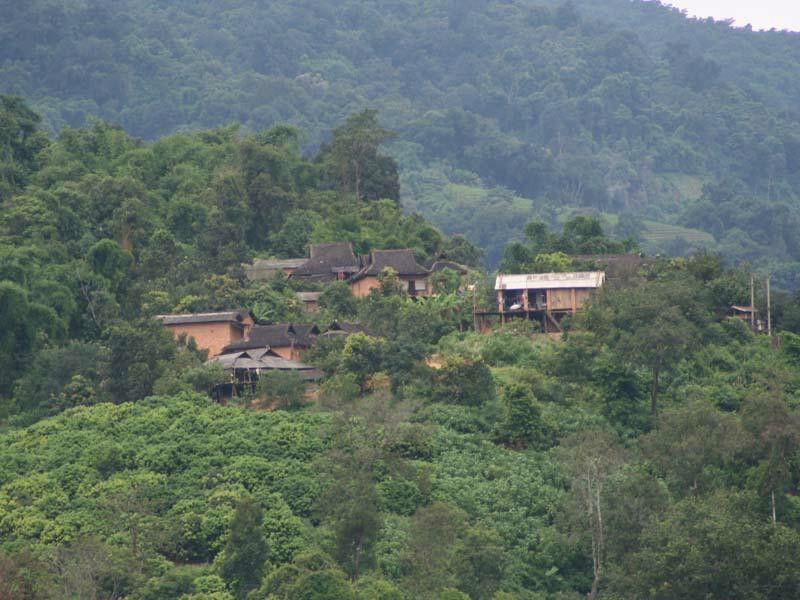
[287, 340]
[211, 331]
[413, 275]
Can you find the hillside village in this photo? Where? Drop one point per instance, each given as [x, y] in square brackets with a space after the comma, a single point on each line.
[248, 351]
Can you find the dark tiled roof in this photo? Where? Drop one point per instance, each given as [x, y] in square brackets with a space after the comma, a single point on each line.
[250, 361]
[228, 316]
[264, 268]
[441, 265]
[328, 259]
[275, 336]
[345, 326]
[616, 266]
[403, 261]
[304, 334]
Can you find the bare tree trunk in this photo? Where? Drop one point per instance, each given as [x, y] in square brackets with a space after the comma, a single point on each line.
[654, 396]
[772, 498]
[597, 541]
[358, 182]
[357, 561]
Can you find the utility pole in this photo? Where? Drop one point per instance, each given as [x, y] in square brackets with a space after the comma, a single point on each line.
[752, 303]
[769, 310]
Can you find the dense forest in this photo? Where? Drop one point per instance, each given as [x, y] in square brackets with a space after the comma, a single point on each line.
[681, 132]
[652, 452]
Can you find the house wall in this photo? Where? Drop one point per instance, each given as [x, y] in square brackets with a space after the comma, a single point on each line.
[288, 352]
[209, 336]
[247, 325]
[581, 296]
[311, 307]
[567, 299]
[559, 299]
[421, 285]
[362, 287]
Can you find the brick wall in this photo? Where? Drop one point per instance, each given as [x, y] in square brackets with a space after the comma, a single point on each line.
[209, 336]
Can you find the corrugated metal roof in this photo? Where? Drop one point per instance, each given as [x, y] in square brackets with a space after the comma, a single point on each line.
[744, 309]
[550, 281]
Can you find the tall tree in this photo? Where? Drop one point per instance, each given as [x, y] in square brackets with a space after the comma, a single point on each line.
[775, 442]
[354, 158]
[246, 550]
[591, 458]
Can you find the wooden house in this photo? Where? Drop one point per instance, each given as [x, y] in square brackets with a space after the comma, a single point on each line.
[413, 275]
[545, 296]
[244, 368]
[287, 340]
[211, 331]
[749, 314]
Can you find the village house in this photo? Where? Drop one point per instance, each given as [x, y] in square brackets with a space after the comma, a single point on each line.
[413, 275]
[328, 262]
[546, 297]
[244, 368]
[287, 340]
[309, 301]
[211, 331]
[338, 262]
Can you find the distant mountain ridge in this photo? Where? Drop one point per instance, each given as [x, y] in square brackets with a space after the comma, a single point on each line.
[504, 110]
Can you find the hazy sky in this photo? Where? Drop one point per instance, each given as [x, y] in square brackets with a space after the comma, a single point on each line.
[761, 14]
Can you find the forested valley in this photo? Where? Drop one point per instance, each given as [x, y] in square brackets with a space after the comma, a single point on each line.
[150, 152]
